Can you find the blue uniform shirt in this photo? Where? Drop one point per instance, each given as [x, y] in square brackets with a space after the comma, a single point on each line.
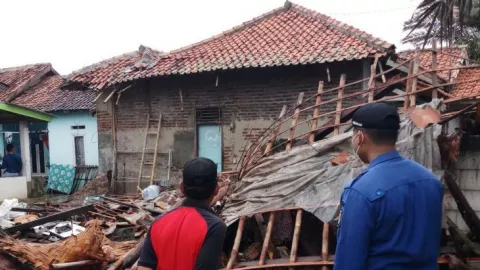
[12, 163]
[391, 217]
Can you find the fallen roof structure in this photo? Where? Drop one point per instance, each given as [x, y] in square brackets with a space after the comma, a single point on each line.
[290, 185]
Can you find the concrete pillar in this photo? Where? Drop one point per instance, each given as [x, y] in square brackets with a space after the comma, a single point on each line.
[25, 149]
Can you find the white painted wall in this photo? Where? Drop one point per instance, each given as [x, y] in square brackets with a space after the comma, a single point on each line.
[61, 137]
[14, 187]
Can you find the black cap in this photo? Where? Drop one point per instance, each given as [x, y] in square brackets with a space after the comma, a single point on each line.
[200, 172]
[377, 116]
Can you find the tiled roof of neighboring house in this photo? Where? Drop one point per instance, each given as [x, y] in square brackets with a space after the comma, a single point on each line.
[15, 79]
[446, 57]
[48, 97]
[467, 89]
[290, 35]
[38, 87]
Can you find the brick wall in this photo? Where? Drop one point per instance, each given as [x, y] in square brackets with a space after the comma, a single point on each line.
[248, 98]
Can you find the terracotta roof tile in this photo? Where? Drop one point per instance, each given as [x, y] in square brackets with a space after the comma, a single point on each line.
[467, 89]
[291, 35]
[15, 77]
[43, 94]
[446, 57]
[48, 97]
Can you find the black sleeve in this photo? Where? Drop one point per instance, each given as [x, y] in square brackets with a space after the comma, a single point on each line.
[209, 256]
[148, 258]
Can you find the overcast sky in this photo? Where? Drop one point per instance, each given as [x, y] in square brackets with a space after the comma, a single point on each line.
[71, 34]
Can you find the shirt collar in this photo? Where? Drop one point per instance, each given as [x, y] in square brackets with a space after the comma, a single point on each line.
[384, 157]
[197, 204]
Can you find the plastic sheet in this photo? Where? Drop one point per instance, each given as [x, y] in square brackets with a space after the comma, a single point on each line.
[305, 176]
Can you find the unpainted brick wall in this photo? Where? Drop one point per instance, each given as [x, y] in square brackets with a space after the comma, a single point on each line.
[243, 95]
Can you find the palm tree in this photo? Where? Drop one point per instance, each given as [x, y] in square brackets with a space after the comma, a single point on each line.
[449, 21]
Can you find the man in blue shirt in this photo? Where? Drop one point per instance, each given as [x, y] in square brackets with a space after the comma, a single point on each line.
[11, 163]
[391, 213]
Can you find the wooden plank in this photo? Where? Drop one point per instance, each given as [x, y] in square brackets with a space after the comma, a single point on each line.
[316, 112]
[434, 68]
[155, 154]
[110, 95]
[326, 229]
[59, 216]
[338, 111]
[380, 67]
[140, 171]
[467, 212]
[371, 81]
[236, 244]
[296, 236]
[274, 135]
[406, 102]
[267, 243]
[413, 96]
[291, 135]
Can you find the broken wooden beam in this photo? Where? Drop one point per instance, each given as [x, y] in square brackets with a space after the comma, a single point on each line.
[236, 244]
[461, 238]
[467, 212]
[291, 135]
[434, 69]
[296, 236]
[129, 258]
[153, 211]
[275, 131]
[74, 265]
[338, 111]
[267, 243]
[316, 112]
[59, 216]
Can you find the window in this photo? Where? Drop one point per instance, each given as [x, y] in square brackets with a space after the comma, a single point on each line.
[79, 151]
[78, 127]
[209, 115]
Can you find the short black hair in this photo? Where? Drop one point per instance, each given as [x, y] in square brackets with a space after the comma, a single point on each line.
[381, 136]
[199, 193]
[10, 147]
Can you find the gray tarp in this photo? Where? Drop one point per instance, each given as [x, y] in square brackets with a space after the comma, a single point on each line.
[304, 177]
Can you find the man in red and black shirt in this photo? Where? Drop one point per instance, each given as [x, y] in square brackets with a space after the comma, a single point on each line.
[191, 236]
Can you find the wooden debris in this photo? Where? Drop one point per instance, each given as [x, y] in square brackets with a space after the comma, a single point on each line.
[338, 111]
[236, 245]
[253, 251]
[291, 135]
[467, 212]
[130, 257]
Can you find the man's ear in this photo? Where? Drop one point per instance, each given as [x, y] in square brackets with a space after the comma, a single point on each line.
[215, 192]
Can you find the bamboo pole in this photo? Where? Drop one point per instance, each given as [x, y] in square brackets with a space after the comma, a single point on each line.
[434, 68]
[294, 121]
[266, 241]
[338, 111]
[408, 87]
[236, 245]
[413, 96]
[275, 131]
[326, 229]
[296, 236]
[371, 82]
[316, 111]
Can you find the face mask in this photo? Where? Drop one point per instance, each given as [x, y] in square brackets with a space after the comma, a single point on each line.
[355, 151]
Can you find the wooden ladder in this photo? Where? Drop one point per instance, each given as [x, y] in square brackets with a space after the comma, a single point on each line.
[146, 150]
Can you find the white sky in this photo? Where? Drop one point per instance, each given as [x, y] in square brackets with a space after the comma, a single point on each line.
[71, 34]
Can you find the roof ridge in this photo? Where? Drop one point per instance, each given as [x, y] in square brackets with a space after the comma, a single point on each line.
[16, 68]
[286, 7]
[343, 27]
[236, 29]
[456, 47]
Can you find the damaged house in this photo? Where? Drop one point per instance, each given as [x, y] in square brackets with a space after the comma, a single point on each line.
[214, 97]
[60, 127]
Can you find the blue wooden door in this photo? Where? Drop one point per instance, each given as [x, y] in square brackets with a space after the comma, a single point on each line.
[210, 143]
